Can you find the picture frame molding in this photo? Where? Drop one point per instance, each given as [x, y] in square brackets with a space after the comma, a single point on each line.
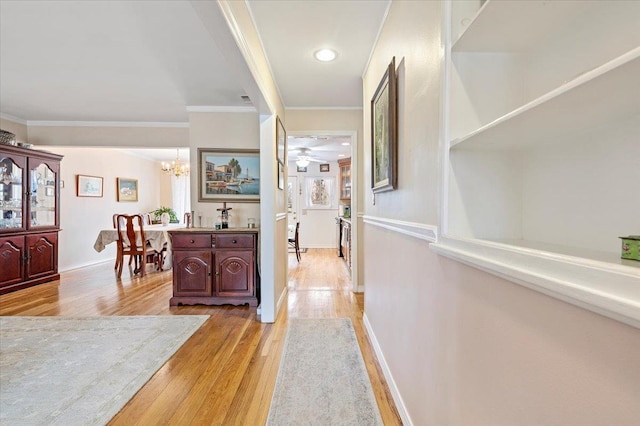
[95, 179]
[388, 81]
[218, 198]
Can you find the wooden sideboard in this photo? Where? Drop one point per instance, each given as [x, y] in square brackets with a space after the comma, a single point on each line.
[215, 266]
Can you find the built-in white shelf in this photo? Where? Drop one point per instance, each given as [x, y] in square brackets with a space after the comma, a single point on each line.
[570, 109]
[516, 26]
[545, 98]
[608, 288]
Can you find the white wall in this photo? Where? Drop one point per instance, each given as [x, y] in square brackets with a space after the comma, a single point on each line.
[226, 131]
[82, 218]
[463, 347]
[317, 226]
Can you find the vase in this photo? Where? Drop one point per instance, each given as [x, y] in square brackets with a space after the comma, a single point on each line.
[165, 218]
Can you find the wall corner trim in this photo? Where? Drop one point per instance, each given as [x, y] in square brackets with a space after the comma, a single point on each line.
[395, 393]
[417, 230]
[13, 119]
[205, 108]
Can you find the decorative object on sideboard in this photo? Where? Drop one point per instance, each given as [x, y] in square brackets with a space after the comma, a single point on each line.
[224, 216]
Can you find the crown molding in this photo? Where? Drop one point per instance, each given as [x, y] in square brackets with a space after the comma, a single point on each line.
[323, 108]
[221, 109]
[106, 124]
[13, 119]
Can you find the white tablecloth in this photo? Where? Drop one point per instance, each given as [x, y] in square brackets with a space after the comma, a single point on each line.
[156, 235]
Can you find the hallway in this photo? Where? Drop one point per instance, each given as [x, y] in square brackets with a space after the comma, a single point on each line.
[225, 373]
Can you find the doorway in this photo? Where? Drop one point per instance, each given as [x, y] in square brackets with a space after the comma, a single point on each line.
[293, 203]
[320, 152]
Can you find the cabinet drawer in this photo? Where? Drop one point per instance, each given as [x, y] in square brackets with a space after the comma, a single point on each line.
[234, 241]
[191, 241]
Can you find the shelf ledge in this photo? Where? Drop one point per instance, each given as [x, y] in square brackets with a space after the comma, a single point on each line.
[538, 119]
[608, 289]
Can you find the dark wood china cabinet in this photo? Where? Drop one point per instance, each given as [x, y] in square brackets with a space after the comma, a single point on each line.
[29, 217]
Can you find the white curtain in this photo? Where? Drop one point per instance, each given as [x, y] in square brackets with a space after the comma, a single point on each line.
[181, 195]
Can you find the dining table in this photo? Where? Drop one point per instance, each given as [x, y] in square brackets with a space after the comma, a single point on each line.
[156, 235]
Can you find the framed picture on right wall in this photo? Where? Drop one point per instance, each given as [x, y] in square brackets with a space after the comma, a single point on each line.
[384, 144]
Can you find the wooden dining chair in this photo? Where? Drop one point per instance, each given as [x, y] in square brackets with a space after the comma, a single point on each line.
[118, 255]
[146, 217]
[136, 248]
[295, 241]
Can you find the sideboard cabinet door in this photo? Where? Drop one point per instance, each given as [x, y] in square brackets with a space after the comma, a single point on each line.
[191, 274]
[234, 272]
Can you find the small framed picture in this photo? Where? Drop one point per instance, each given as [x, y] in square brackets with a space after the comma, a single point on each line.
[324, 167]
[302, 169]
[280, 175]
[88, 186]
[127, 189]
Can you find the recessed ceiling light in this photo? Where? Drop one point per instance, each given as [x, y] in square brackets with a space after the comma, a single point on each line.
[340, 155]
[346, 143]
[325, 55]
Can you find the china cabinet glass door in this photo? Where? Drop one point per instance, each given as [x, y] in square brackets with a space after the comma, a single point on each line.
[11, 191]
[42, 196]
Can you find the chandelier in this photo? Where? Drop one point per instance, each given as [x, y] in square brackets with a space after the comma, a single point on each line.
[177, 168]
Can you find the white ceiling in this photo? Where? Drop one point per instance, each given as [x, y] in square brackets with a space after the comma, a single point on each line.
[292, 31]
[147, 61]
[140, 61]
[325, 148]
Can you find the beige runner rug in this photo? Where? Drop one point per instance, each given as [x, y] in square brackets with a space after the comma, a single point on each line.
[82, 371]
[322, 378]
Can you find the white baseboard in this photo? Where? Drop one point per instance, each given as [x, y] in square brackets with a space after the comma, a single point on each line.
[84, 265]
[319, 246]
[395, 393]
[281, 300]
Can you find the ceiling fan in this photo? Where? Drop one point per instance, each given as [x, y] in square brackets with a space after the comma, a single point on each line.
[304, 157]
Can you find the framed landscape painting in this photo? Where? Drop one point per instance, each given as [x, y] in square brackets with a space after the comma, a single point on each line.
[228, 175]
[89, 186]
[127, 189]
[384, 133]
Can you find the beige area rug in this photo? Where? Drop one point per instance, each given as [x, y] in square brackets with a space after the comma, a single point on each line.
[322, 378]
[81, 371]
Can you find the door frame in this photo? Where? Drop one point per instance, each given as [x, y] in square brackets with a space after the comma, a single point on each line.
[355, 191]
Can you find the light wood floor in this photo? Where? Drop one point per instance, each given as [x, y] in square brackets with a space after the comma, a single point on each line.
[225, 373]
